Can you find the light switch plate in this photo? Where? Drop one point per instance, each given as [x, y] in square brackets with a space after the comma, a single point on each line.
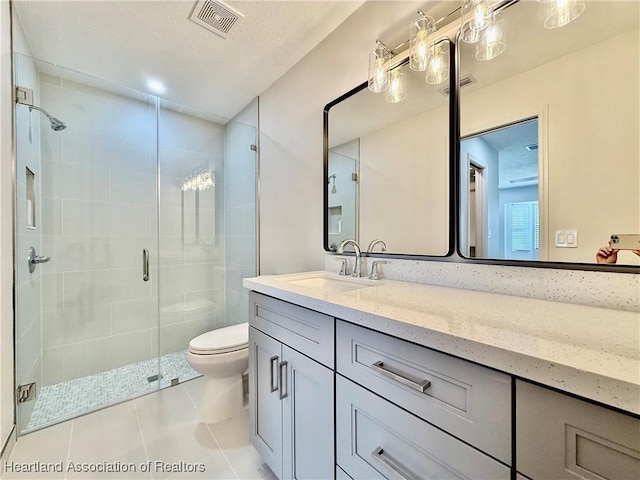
[566, 238]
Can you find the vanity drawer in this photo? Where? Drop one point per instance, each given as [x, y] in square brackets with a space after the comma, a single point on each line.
[377, 439]
[302, 329]
[469, 401]
[561, 437]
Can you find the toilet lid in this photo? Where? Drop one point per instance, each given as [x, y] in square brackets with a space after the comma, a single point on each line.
[221, 340]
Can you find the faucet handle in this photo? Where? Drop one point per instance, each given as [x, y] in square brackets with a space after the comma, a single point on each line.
[376, 274]
[344, 267]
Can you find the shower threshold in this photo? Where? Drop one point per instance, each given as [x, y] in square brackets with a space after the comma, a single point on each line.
[63, 401]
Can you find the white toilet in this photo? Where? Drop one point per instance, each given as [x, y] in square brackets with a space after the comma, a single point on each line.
[222, 356]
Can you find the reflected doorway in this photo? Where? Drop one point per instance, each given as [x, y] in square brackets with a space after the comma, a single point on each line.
[502, 192]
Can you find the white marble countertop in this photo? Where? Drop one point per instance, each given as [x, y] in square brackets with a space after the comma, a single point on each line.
[589, 351]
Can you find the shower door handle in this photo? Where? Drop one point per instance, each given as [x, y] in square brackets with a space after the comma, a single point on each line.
[145, 265]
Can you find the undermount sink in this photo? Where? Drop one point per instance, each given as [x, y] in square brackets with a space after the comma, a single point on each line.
[330, 283]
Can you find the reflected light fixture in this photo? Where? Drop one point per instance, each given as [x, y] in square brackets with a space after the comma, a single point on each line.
[562, 12]
[419, 31]
[396, 91]
[475, 16]
[198, 181]
[492, 40]
[378, 74]
[438, 63]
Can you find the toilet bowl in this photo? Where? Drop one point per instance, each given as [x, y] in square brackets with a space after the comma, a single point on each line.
[222, 356]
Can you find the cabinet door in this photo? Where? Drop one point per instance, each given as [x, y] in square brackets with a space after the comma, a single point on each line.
[308, 425]
[561, 437]
[265, 407]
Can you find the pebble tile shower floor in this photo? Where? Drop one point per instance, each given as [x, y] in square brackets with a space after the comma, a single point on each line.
[67, 399]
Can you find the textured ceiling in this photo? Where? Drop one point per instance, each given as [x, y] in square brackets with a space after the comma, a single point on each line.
[130, 42]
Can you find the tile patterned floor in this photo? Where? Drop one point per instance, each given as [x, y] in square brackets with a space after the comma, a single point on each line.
[68, 399]
[160, 430]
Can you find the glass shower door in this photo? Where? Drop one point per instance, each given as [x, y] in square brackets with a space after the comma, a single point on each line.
[86, 201]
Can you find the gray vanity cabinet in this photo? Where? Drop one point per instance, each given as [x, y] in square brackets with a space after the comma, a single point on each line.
[291, 396]
[561, 437]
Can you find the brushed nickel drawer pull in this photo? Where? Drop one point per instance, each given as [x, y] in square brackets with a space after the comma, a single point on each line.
[283, 384]
[401, 472]
[396, 375]
[273, 360]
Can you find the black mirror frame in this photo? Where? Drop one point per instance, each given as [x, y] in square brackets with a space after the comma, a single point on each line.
[454, 253]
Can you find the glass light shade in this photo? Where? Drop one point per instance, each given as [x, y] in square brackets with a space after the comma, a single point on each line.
[438, 64]
[476, 16]
[493, 41]
[397, 90]
[419, 32]
[562, 12]
[378, 75]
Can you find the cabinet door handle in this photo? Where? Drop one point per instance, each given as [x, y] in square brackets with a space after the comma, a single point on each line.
[283, 384]
[396, 375]
[273, 360]
[400, 471]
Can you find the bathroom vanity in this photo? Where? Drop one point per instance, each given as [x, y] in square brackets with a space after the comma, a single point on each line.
[405, 380]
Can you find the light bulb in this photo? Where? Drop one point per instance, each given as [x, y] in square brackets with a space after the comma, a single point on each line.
[475, 18]
[492, 41]
[438, 64]
[378, 76]
[419, 32]
[396, 92]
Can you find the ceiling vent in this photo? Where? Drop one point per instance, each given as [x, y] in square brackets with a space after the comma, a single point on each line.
[464, 81]
[215, 16]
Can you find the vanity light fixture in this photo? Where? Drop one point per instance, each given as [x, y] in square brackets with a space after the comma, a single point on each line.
[419, 31]
[198, 181]
[475, 16]
[562, 12]
[378, 73]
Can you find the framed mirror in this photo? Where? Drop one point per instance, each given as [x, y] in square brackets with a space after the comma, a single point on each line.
[387, 168]
[550, 137]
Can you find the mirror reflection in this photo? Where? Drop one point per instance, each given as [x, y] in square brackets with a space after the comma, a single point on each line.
[388, 167]
[549, 155]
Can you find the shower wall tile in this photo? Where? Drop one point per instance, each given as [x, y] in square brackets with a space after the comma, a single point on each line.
[170, 220]
[203, 137]
[134, 121]
[80, 217]
[241, 220]
[172, 308]
[180, 163]
[100, 287]
[76, 108]
[28, 304]
[170, 190]
[197, 276]
[177, 336]
[52, 291]
[133, 187]
[126, 251]
[203, 304]
[52, 368]
[74, 181]
[172, 249]
[51, 218]
[171, 129]
[72, 253]
[131, 219]
[101, 150]
[51, 145]
[76, 324]
[241, 191]
[241, 250]
[134, 315]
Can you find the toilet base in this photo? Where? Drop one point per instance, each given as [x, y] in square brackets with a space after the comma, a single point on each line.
[222, 399]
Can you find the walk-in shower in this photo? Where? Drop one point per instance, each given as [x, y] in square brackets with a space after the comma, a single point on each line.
[92, 193]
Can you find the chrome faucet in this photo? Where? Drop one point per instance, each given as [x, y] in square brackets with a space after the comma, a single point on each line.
[376, 242]
[357, 267]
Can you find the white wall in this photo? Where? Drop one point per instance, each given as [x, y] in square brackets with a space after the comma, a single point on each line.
[6, 232]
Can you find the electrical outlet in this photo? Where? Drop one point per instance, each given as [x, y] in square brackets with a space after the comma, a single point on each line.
[566, 238]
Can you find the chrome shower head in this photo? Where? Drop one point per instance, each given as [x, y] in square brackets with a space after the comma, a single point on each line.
[56, 125]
